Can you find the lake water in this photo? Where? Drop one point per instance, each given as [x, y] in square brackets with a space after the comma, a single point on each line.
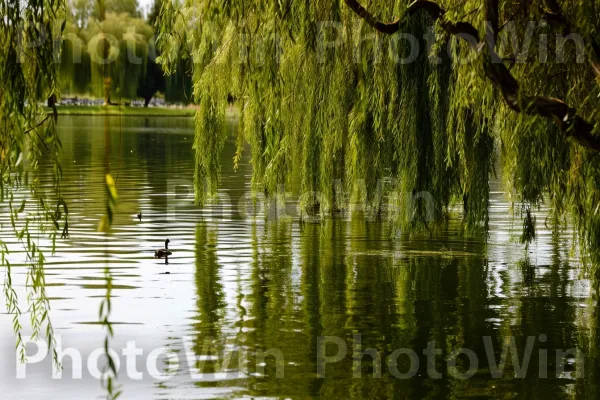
[304, 293]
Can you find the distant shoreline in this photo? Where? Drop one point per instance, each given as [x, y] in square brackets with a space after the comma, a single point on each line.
[125, 110]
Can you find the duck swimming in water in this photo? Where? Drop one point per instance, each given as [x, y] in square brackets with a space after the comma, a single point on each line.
[160, 253]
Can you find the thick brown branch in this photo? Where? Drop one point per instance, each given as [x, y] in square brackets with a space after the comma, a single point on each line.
[461, 29]
[362, 12]
[565, 116]
[493, 27]
[433, 9]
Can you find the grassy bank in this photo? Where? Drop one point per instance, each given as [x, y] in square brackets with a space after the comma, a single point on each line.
[125, 111]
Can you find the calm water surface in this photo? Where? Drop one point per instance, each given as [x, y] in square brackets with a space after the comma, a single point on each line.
[240, 286]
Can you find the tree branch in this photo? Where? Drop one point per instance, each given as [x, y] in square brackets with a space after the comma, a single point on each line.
[509, 19]
[38, 125]
[493, 18]
[561, 113]
[382, 27]
[34, 129]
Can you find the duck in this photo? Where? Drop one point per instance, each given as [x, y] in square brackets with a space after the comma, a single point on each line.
[160, 253]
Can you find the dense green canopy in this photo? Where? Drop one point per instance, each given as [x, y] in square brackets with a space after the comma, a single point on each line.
[420, 105]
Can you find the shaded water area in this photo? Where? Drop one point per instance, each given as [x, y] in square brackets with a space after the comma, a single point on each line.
[240, 285]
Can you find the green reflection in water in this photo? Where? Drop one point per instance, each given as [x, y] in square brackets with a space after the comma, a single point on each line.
[279, 284]
[208, 341]
[344, 279]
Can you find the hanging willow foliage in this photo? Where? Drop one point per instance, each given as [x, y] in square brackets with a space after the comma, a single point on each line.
[427, 102]
[29, 31]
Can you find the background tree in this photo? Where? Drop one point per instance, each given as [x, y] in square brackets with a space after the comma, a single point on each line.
[130, 7]
[132, 68]
[177, 87]
[152, 81]
[80, 11]
[75, 64]
[107, 52]
[125, 61]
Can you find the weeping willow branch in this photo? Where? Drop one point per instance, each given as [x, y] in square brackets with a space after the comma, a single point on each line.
[110, 371]
[389, 28]
[12, 302]
[562, 114]
[433, 9]
[38, 125]
[28, 78]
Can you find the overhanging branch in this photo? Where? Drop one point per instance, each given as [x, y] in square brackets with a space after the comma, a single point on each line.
[561, 113]
[362, 12]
